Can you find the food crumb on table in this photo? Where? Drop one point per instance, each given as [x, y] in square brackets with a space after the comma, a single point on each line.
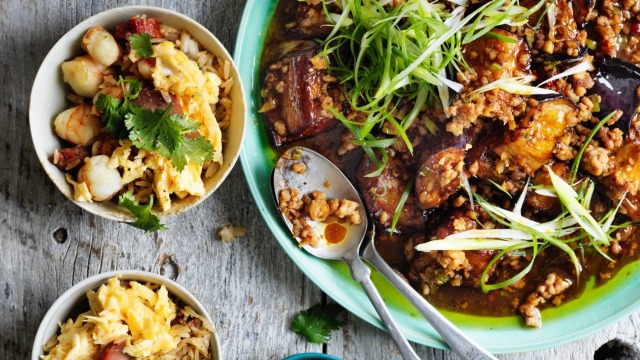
[229, 233]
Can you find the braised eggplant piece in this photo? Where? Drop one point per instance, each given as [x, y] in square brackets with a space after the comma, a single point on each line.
[481, 159]
[460, 268]
[330, 144]
[616, 82]
[564, 59]
[531, 145]
[382, 194]
[582, 11]
[285, 48]
[298, 94]
[438, 175]
[489, 59]
[481, 56]
[302, 20]
[625, 178]
[544, 59]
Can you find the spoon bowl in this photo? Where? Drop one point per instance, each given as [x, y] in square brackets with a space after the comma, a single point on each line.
[320, 175]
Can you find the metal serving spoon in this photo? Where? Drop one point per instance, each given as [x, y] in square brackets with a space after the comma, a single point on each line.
[457, 340]
[321, 175]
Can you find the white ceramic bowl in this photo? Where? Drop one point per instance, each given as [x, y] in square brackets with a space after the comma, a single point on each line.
[48, 100]
[67, 302]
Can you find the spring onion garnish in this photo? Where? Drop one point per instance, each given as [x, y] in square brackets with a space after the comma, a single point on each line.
[544, 191]
[583, 66]
[500, 187]
[464, 181]
[403, 199]
[551, 14]
[521, 233]
[575, 228]
[569, 198]
[387, 56]
[515, 85]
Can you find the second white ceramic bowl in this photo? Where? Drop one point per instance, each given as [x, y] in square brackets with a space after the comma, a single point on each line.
[63, 308]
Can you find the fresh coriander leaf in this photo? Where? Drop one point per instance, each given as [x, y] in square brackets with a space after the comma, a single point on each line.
[142, 45]
[316, 323]
[144, 127]
[178, 149]
[155, 130]
[134, 87]
[112, 118]
[145, 219]
[197, 149]
[189, 124]
[114, 110]
[107, 102]
[171, 135]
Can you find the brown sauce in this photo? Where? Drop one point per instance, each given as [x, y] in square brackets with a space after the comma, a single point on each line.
[334, 233]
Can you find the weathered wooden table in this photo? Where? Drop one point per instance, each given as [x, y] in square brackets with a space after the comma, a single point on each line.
[250, 287]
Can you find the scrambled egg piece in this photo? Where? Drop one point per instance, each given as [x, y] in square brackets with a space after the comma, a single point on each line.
[80, 189]
[138, 314]
[75, 341]
[167, 180]
[144, 313]
[176, 73]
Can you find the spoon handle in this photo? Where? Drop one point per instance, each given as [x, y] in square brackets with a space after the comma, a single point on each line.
[462, 345]
[361, 273]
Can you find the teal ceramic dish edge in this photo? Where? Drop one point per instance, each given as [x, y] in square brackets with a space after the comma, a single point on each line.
[599, 307]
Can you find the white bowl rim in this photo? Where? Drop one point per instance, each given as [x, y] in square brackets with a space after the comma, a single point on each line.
[123, 11]
[79, 290]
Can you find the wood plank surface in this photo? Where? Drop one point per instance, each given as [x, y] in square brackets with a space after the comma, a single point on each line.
[250, 287]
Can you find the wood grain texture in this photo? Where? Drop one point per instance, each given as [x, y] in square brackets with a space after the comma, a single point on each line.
[250, 287]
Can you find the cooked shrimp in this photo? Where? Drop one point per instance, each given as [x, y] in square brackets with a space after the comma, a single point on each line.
[77, 125]
[145, 67]
[101, 45]
[83, 74]
[103, 181]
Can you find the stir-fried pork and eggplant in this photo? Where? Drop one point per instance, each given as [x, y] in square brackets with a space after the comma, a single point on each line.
[495, 143]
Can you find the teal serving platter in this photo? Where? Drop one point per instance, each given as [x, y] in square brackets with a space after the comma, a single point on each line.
[598, 307]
